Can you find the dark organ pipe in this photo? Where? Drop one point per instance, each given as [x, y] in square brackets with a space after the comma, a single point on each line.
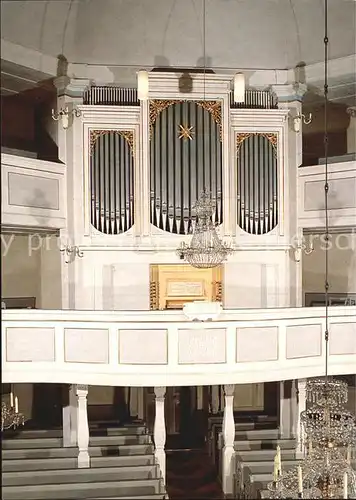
[182, 167]
[257, 183]
[110, 96]
[112, 181]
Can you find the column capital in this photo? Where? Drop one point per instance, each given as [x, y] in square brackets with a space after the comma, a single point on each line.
[351, 110]
[160, 393]
[71, 87]
[290, 92]
[229, 390]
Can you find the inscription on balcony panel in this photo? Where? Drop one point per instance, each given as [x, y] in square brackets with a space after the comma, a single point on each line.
[202, 346]
[30, 344]
[343, 338]
[256, 344]
[143, 347]
[33, 191]
[84, 345]
[303, 341]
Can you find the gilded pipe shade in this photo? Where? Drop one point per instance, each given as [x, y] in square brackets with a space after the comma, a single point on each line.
[257, 182]
[185, 159]
[112, 180]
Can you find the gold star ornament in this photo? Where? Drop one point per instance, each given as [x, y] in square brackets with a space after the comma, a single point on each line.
[185, 132]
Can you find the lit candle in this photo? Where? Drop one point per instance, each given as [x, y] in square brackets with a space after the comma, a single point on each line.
[279, 461]
[275, 470]
[11, 399]
[345, 485]
[349, 455]
[16, 405]
[300, 480]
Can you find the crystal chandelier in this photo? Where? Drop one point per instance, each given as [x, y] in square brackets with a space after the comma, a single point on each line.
[206, 250]
[10, 416]
[328, 429]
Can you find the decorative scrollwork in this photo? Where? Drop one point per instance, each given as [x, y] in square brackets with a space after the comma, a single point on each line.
[218, 290]
[271, 137]
[128, 135]
[158, 105]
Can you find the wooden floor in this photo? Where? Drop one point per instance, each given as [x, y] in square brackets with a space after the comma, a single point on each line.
[190, 474]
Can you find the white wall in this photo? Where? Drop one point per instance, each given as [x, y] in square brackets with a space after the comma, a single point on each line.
[31, 267]
[20, 267]
[342, 265]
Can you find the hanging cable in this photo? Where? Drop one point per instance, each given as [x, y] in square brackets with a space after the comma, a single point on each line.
[326, 185]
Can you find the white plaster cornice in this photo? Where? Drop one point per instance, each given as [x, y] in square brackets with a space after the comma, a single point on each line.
[290, 92]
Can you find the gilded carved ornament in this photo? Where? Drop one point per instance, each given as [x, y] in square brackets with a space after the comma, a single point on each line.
[271, 137]
[156, 107]
[128, 135]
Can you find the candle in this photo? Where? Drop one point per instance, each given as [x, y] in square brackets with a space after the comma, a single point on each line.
[345, 485]
[349, 455]
[275, 470]
[300, 480]
[16, 405]
[11, 399]
[279, 461]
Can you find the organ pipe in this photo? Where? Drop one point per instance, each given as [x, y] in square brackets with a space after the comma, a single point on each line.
[257, 183]
[182, 166]
[112, 180]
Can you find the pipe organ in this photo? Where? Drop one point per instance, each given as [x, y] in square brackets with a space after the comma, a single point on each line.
[257, 182]
[185, 159]
[148, 162]
[112, 180]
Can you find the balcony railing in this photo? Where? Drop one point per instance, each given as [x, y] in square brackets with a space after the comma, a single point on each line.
[142, 348]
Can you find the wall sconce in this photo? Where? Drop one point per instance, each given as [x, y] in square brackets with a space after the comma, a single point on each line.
[303, 247]
[301, 118]
[71, 253]
[63, 115]
[142, 85]
[239, 87]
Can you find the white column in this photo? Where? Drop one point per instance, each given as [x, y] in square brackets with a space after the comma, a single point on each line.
[70, 419]
[159, 430]
[351, 131]
[144, 186]
[302, 401]
[141, 403]
[285, 413]
[228, 440]
[294, 408]
[83, 427]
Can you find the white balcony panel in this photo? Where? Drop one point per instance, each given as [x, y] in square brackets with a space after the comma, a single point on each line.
[202, 346]
[341, 198]
[143, 347]
[33, 192]
[303, 341]
[84, 345]
[33, 345]
[343, 339]
[256, 344]
[155, 348]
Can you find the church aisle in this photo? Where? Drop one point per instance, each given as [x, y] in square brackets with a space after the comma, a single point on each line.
[191, 474]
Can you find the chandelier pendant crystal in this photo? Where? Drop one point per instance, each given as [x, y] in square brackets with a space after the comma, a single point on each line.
[206, 250]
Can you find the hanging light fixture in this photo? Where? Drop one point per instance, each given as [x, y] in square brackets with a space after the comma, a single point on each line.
[142, 85]
[206, 250]
[10, 415]
[328, 429]
[239, 87]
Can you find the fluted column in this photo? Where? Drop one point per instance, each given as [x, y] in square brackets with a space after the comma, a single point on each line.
[159, 430]
[302, 401]
[83, 427]
[228, 441]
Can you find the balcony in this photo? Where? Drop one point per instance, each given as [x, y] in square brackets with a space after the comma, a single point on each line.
[141, 348]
